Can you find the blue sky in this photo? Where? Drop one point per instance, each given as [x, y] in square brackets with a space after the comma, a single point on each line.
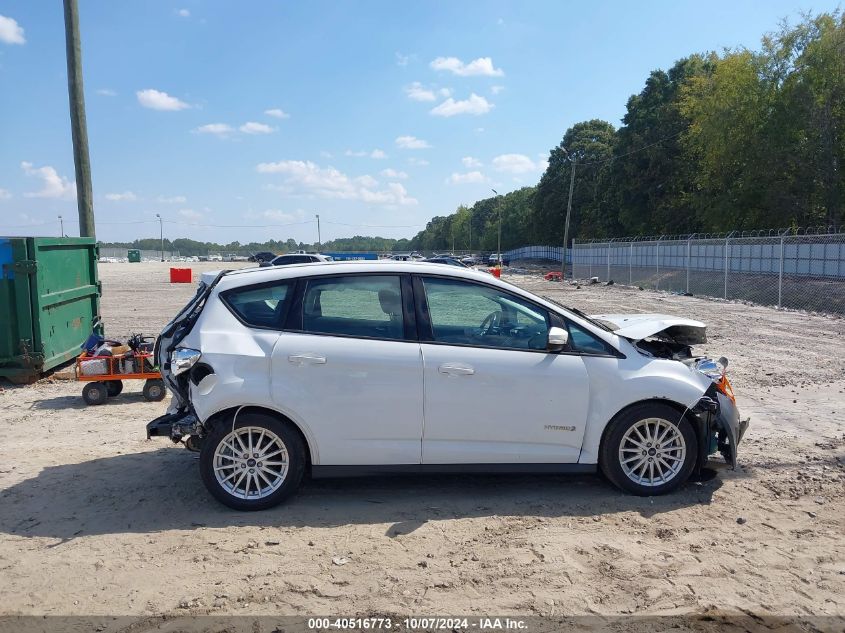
[241, 121]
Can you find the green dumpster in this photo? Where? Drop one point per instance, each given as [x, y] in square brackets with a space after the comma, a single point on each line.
[133, 255]
[49, 302]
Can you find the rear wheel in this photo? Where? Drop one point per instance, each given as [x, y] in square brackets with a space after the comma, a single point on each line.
[114, 387]
[154, 390]
[649, 450]
[94, 393]
[254, 465]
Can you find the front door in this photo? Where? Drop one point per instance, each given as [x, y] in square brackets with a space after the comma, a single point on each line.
[493, 395]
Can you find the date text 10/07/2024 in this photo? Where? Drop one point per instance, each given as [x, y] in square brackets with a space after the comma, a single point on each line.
[418, 623]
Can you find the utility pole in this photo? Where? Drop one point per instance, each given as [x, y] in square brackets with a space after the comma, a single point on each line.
[499, 246]
[161, 233]
[78, 125]
[61, 227]
[566, 224]
[319, 238]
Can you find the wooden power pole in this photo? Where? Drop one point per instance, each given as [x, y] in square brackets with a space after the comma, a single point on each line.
[78, 125]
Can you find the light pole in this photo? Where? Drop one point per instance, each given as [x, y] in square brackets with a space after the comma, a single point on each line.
[61, 227]
[499, 245]
[568, 213]
[161, 233]
[319, 239]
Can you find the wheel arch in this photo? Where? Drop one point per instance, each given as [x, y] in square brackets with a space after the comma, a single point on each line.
[224, 414]
[683, 412]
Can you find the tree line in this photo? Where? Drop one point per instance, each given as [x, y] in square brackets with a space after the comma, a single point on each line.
[727, 141]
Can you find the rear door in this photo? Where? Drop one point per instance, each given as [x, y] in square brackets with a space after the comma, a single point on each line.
[493, 395]
[348, 368]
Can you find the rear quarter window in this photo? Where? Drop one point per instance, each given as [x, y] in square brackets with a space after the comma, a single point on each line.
[259, 306]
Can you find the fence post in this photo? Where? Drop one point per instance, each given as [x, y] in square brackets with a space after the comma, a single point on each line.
[630, 260]
[727, 248]
[572, 260]
[689, 255]
[780, 273]
[657, 264]
[608, 259]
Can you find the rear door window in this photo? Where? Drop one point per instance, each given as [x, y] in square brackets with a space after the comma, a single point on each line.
[360, 306]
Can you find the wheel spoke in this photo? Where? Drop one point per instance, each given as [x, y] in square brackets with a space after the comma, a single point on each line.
[264, 477]
[274, 453]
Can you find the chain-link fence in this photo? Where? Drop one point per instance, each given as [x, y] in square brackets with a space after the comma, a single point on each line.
[804, 270]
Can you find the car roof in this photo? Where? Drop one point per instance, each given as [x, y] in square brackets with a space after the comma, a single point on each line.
[249, 276]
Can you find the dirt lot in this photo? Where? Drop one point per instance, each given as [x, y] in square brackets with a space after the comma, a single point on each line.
[95, 519]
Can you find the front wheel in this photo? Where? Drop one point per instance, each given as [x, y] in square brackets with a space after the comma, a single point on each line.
[649, 450]
[254, 464]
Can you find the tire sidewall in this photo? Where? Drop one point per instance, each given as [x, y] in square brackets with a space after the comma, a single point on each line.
[611, 466]
[296, 457]
[92, 388]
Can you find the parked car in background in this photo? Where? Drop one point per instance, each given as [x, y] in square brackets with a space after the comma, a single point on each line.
[296, 258]
[442, 259]
[263, 256]
[471, 260]
[389, 367]
[498, 258]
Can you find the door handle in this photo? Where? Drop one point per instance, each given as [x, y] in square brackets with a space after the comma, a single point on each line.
[307, 359]
[456, 369]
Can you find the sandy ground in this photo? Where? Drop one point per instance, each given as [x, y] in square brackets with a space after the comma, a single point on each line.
[95, 519]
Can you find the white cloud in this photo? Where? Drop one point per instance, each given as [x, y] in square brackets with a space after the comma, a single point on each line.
[469, 161]
[411, 142]
[277, 215]
[10, 31]
[474, 105]
[53, 185]
[277, 113]
[158, 100]
[392, 173]
[217, 129]
[172, 199]
[183, 13]
[517, 164]
[251, 127]
[483, 66]
[402, 60]
[468, 178]
[419, 162]
[190, 215]
[126, 196]
[106, 92]
[4, 194]
[417, 92]
[309, 178]
[496, 89]
[376, 153]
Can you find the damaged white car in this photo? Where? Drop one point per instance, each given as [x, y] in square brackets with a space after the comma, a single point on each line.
[395, 367]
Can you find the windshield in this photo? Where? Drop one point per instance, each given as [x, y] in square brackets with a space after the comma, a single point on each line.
[603, 325]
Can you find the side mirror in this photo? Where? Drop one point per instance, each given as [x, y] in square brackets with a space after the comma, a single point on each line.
[557, 340]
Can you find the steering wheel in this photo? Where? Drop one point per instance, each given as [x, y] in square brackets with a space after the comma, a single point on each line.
[490, 322]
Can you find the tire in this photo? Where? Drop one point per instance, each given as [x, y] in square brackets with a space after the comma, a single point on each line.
[154, 390]
[94, 393]
[114, 387]
[625, 464]
[280, 481]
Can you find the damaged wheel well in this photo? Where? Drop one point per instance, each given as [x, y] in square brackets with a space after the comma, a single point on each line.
[228, 414]
[683, 412]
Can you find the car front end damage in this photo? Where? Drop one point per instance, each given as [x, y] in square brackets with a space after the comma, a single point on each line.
[718, 424]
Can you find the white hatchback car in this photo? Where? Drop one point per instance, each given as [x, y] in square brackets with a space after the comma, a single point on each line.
[386, 367]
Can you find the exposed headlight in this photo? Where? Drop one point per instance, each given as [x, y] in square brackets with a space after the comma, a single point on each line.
[716, 370]
[182, 359]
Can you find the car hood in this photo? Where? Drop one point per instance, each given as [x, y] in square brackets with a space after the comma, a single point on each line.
[636, 327]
